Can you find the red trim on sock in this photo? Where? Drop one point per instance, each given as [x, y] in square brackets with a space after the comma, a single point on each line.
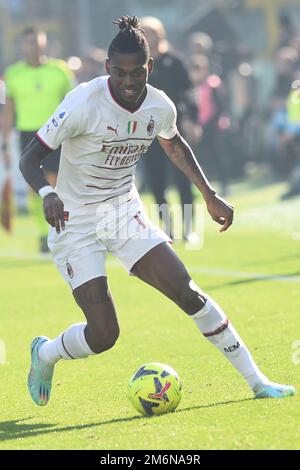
[218, 330]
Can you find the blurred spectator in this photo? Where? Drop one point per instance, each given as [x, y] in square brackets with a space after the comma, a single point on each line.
[247, 135]
[295, 45]
[93, 65]
[288, 140]
[281, 134]
[286, 29]
[34, 87]
[242, 83]
[210, 94]
[171, 76]
[285, 62]
[199, 43]
[5, 178]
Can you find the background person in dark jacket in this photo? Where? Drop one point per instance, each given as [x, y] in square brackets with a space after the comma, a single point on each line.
[171, 76]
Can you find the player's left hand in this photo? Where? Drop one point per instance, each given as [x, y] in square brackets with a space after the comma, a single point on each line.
[220, 211]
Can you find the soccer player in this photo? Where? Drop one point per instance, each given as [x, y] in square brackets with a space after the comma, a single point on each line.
[35, 86]
[105, 126]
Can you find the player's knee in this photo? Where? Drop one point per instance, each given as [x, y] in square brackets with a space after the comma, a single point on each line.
[191, 297]
[111, 336]
[105, 339]
[92, 294]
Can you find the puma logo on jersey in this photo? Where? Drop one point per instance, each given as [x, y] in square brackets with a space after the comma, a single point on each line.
[48, 129]
[115, 130]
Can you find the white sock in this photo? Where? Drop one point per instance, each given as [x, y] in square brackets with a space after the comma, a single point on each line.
[69, 345]
[214, 325]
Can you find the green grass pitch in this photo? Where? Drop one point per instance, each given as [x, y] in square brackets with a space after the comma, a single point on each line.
[252, 270]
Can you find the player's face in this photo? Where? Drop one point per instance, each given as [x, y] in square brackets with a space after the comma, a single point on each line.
[128, 77]
[33, 45]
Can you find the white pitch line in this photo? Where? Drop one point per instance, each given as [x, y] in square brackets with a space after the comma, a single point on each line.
[19, 255]
[114, 263]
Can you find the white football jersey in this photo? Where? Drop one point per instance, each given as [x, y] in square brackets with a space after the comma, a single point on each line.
[102, 141]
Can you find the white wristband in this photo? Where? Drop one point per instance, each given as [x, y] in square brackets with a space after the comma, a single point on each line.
[45, 190]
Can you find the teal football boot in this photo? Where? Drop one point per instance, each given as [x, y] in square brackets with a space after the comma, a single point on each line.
[40, 374]
[273, 390]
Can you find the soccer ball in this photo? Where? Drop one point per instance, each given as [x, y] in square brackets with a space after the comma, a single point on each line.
[155, 389]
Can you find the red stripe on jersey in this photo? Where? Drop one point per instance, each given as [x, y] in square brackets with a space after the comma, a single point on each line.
[110, 179]
[43, 143]
[125, 140]
[118, 168]
[112, 197]
[139, 221]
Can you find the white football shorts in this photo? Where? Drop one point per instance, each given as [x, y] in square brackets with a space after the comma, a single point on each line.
[79, 251]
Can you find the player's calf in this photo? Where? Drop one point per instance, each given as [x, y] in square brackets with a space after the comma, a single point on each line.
[215, 326]
[101, 337]
[95, 300]
[188, 296]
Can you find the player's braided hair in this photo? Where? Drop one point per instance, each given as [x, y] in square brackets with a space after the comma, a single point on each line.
[130, 39]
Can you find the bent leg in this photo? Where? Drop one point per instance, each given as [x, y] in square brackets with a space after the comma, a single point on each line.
[95, 300]
[76, 342]
[162, 269]
[98, 334]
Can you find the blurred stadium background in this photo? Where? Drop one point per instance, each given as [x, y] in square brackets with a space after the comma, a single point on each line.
[255, 50]
[80, 24]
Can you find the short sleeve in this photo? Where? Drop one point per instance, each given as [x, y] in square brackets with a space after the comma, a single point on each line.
[66, 122]
[169, 128]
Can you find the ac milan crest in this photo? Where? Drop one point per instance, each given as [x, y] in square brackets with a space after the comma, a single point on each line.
[70, 270]
[150, 127]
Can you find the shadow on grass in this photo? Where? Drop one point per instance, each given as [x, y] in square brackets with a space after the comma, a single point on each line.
[271, 277]
[16, 429]
[274, 260]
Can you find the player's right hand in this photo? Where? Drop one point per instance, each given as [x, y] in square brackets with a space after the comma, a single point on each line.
[220, 211]
[54, 211]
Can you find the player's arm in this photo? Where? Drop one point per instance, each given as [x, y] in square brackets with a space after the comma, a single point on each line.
[30, 166]
[180, 153]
